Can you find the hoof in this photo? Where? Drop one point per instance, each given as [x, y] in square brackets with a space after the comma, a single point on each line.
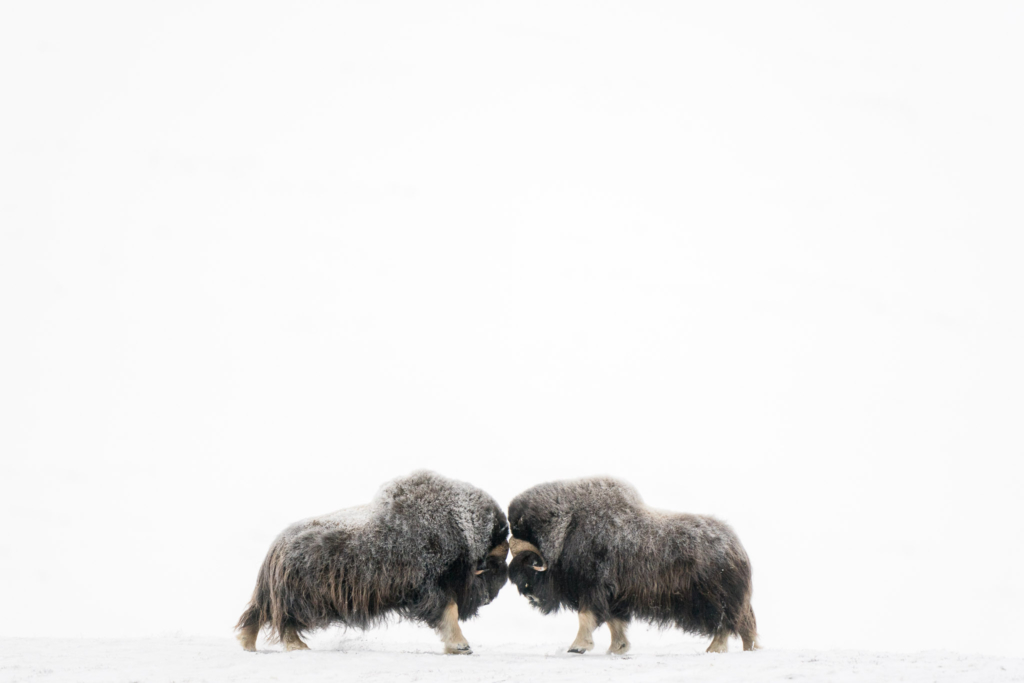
[292, 647]
[618, 649]
[720, 643]
[247, 641]
[577, 650]
[461, 649]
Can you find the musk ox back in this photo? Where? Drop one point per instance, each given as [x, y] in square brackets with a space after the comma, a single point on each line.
[591, 545]
[427, 548]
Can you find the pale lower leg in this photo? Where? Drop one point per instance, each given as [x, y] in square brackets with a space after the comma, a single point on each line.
[454, 642]
[620, 643]
[720, 643]
[291, 639]
[247, 637]
[585, 637]
[747, 628]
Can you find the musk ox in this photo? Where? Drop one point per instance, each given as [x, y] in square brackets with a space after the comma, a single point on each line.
[427, 548]
[591, 545]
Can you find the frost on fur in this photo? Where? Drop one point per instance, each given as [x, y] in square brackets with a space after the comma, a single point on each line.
[591, 545]
[427, 548]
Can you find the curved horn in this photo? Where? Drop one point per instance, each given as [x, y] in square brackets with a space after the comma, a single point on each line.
[500, 551]
[519, 546]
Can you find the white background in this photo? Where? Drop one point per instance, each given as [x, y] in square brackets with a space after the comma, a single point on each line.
[761, 261]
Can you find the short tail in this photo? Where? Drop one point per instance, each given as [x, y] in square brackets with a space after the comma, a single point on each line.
[252, 618]
[260, 611]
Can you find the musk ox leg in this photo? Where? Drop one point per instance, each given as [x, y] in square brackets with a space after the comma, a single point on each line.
[247, 637]
[720, 643]
[751, 642]
[620, 643]
[746, 628]
[249, 626]
[585, 637]
[291, 639]
[454, 642]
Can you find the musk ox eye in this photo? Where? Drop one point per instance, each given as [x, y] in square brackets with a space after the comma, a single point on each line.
[481, 567]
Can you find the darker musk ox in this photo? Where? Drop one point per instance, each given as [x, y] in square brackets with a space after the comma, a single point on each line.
[427, 548]
[591, 545]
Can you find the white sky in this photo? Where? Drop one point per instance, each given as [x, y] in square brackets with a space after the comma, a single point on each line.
[763, 262]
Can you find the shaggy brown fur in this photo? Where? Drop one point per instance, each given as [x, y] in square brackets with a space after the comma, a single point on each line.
[591, 545]
[426, 546]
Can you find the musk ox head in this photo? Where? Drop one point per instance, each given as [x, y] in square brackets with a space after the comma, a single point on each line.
[491, 570]
[529, 573]
[542, 518]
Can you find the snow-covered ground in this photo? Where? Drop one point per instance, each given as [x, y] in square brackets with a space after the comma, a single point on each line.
[353, 657]
[762, 260]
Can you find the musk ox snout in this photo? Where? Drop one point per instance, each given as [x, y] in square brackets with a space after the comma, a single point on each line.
[492, 571]
[527, 573]
[521, 572]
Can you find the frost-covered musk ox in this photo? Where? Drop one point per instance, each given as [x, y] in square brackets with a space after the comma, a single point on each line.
[591, 545]
[427, 548]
